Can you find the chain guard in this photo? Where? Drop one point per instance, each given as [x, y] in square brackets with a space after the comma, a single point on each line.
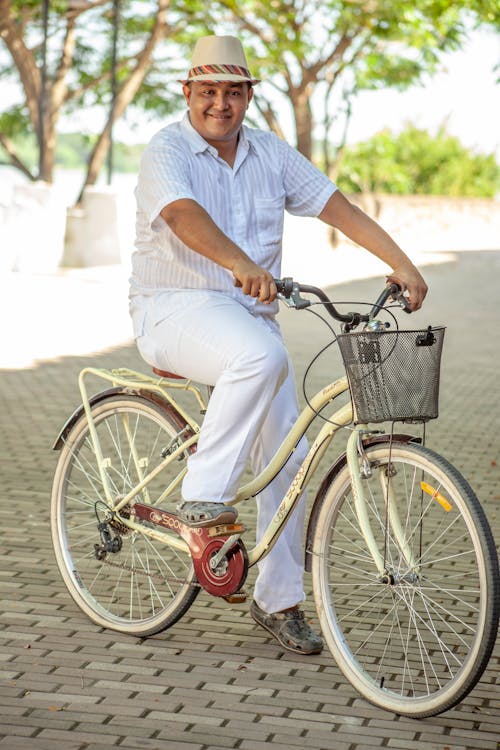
[230, 574]
[204, 543]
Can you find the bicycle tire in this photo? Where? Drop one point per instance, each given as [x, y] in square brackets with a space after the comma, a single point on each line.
[417, 643]
[146, 586]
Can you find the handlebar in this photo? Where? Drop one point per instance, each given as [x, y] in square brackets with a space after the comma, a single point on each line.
[289, 291]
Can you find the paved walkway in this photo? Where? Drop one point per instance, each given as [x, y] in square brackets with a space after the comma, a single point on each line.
[215, 680]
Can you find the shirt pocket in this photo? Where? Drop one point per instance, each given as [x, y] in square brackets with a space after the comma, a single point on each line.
[270, 218]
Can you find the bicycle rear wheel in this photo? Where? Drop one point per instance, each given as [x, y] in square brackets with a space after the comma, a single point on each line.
[418, 639]
[146, 585]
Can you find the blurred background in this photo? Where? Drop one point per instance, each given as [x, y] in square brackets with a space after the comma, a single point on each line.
[399, 104]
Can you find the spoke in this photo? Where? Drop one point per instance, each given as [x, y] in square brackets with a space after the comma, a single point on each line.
[114, 435]
[183, 560]
[388, 643]
[153, 591]
[87, 543]
[361, 545]
[405, 654]
[85, 540]
[463, 535]
[377, 627]
[355, 557]
[453, 592]
[364, 603]
[421, 646]
[431, 629]
[454, 556]
[91, 473]
[438, 608]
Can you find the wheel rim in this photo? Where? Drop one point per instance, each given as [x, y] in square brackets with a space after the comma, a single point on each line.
[145, 581]
[411, 640]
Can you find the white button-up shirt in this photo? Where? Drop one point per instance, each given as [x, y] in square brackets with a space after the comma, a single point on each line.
[246, 201]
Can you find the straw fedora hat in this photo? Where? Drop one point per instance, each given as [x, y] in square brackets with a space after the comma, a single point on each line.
[218, 59]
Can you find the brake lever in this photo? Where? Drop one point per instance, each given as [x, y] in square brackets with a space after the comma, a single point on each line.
[403, 301]
[292, 297]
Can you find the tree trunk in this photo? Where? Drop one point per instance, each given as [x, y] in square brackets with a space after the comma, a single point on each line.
[303, 120]
[96, 160]
[125, 95]
[48, 155]
[23, 59]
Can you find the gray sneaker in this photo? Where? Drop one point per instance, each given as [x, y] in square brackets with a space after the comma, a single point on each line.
[290, 629]
[200, 514]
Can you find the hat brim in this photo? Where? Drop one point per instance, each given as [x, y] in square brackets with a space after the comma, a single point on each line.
[220, 78]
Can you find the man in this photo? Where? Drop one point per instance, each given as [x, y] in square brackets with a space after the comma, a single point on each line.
[211, 198]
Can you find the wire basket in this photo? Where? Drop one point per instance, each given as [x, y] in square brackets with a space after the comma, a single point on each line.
[393, 375]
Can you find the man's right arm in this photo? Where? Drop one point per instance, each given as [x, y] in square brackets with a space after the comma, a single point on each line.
[194, 227]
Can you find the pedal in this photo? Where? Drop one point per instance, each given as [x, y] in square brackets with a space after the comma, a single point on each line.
[239, 597]
[226, 529]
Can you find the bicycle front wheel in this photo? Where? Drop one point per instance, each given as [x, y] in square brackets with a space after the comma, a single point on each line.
[417, 638]
[144, 585]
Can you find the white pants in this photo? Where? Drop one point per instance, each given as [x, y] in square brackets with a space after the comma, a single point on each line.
[213, 339]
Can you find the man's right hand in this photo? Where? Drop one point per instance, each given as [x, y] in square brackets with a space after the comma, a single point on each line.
[254, 280]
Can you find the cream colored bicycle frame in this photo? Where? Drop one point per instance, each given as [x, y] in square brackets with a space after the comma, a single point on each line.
[341, 418]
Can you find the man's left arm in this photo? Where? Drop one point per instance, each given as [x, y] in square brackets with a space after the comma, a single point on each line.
[340, 213]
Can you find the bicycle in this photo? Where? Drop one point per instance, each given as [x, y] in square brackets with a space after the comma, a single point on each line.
[403, 563]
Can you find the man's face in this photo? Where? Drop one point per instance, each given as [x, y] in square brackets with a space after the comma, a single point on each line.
[217, 110]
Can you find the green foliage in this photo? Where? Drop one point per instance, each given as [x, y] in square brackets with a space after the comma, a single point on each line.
[26, 150]
[414, 162]
[15, 121]
[73, 150]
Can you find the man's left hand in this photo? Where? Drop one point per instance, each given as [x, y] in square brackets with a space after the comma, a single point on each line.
[411, 281]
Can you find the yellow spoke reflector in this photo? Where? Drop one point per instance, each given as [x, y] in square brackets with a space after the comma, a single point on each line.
[443, 502]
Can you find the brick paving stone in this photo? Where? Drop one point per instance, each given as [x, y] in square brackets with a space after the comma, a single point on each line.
[400, 744]
[39, 743]
[483, 739]
[99, 737]
[18, 729]
[207, 740]
[245, 707]
[357, 740]
[298, 741]
[140, 703]
[204, 737]
[157, 744]
[186, 718]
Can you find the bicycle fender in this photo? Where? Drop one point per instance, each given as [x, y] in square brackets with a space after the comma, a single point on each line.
[116, 391]
[332, 472]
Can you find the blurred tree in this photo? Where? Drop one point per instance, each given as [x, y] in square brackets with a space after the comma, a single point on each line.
[327, 48]
[78, 70]
[415, 162]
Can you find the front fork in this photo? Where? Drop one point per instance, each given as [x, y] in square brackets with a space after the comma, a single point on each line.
[359, 468]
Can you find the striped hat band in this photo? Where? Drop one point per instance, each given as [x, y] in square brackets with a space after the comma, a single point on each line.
[235, 70]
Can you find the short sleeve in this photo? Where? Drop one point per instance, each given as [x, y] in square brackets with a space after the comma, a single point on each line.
[164, 177]
[307, 188]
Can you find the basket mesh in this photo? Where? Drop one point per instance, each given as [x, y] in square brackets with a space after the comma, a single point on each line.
[393, 375]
